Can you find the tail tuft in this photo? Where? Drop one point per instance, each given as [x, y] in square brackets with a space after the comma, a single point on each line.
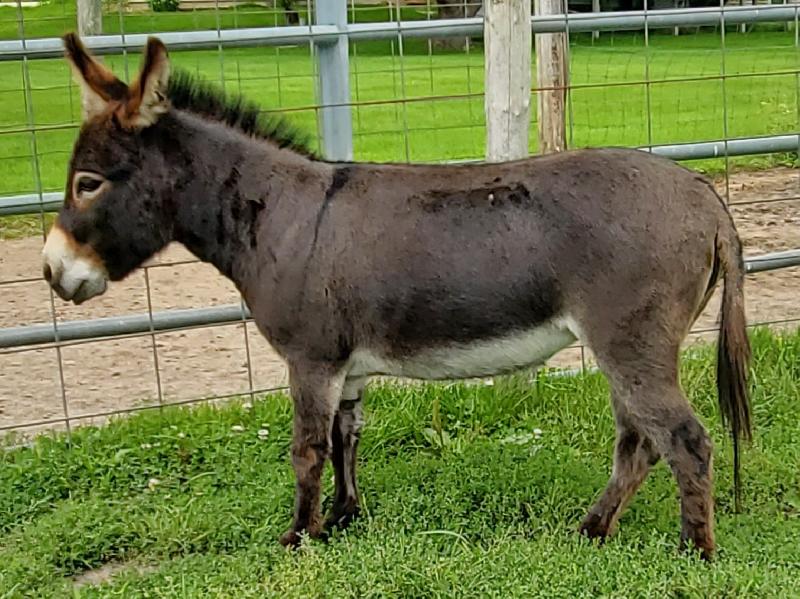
[733, 352]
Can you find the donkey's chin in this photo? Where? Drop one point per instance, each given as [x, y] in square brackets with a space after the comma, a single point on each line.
[83, 291]
[89, 289]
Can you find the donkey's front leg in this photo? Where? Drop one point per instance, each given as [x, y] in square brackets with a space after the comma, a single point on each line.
[315, 391]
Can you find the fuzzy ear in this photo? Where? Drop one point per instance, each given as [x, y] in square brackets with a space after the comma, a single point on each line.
[98, 85]
[147, 99]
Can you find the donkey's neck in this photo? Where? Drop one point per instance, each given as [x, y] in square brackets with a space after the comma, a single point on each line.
[225, 185]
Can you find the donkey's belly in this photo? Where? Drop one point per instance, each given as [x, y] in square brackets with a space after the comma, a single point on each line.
[466, 360]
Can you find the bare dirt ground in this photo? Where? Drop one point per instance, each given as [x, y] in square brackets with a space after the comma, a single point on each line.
[120, 374]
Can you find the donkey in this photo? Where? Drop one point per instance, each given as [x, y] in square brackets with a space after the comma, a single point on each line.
[434, 272]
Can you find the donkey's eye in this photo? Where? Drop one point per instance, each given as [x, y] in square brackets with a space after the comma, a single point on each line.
[88, 184]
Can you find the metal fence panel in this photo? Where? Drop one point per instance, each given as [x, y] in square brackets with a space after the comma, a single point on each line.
[410, 60]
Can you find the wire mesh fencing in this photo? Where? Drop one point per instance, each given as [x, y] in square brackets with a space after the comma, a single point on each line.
[176, 332]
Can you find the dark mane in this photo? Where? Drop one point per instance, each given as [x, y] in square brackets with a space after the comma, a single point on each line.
[190, 93]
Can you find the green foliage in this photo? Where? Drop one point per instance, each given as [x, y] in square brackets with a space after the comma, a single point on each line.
[185, 503]
[164, 5]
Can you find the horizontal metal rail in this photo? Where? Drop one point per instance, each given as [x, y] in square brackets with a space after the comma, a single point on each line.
[552, 371]
[663, 19]
[30, 203]
[115, 326]
[172, 320]
[49, 202]
[731, 147]
[772, 261]
[325, 34]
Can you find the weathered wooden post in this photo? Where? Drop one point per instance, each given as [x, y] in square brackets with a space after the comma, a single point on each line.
[552, 75]
[507, 47]
[90, 17]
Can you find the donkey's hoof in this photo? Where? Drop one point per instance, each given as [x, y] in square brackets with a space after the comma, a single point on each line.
[594, 527]
[341, 519]
[707, 554]
[291, 538]
[705, 550]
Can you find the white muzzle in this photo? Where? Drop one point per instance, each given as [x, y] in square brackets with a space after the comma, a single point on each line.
[73, 272]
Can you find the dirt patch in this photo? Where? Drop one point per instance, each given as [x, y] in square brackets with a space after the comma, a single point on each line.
[106, 572]
[104, 376]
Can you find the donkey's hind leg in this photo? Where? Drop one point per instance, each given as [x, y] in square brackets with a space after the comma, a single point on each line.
[345, 436]
[634, 455]
[659, 411]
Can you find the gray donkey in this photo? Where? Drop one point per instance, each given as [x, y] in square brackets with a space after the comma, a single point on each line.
[431, 272]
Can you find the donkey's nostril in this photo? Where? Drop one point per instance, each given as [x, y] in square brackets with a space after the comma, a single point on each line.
[47, 272]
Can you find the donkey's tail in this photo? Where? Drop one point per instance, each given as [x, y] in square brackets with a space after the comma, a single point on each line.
[733, 352]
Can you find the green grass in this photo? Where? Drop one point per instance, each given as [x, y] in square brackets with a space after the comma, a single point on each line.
[447, 128]
[492, 511]
[53, 17]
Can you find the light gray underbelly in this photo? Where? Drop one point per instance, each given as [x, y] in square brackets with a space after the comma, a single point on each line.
[467, 360]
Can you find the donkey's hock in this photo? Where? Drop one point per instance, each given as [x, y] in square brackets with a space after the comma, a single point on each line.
[356, 270]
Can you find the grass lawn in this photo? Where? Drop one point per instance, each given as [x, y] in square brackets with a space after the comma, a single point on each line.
[442, 117]
[183, 506]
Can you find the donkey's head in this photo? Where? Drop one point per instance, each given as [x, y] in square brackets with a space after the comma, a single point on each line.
[116, 206]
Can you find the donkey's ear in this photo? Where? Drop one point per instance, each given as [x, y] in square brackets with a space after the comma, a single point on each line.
[98, 85]
[148, 94]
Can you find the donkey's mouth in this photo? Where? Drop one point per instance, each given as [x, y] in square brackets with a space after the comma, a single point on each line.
[88, 289]
[77, 291]
[74, 272]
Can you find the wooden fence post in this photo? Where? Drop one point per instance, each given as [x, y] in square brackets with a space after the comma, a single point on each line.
[507, 47]
[552, 75]
[90, 17]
